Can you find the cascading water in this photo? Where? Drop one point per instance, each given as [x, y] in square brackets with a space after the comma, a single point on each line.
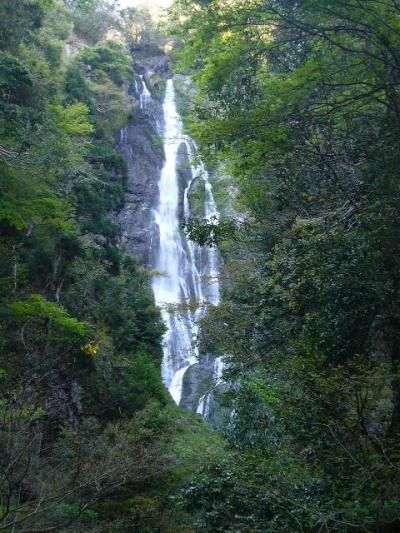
[187, 274]
[145, 94]
[205, 401]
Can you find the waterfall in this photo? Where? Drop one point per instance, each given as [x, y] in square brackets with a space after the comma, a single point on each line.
[205, 401]
[145, 94]
[187, 275]
[123, 137]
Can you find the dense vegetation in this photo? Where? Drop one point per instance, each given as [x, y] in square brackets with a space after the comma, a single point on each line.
[297, 111]
[89, 439]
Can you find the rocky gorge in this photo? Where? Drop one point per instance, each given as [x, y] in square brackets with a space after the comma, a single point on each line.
[193, 377]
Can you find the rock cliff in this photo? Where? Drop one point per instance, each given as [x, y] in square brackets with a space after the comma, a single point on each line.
[142, 148]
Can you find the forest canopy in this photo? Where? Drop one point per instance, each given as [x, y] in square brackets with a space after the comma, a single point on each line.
[87, 430]
[295, 107]
[297, 111]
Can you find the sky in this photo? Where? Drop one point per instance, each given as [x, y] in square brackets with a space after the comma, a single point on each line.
[153, 4]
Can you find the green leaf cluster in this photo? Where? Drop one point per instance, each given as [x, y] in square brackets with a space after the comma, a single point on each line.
[299, 100]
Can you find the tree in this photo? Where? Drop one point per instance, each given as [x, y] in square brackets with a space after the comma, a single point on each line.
[298, 101]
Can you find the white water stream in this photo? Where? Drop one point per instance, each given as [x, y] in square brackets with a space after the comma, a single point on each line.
[187, 274]
[145, 94]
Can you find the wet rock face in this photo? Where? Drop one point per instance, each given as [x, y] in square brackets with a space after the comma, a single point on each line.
[201, 387]
[157, 64]
[140, 143]
[144, 156]
[184, 176]
[197, 193]
[64, 398]
[198, 380]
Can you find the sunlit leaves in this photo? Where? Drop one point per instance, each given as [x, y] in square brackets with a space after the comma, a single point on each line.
[73, 119]
[109, 57]
[37, 307]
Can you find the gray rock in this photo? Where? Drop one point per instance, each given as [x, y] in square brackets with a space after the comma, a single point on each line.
[64, 399]
[196, 197]
[184, 176]
[219, 411]
[144, 154]
[198, 379]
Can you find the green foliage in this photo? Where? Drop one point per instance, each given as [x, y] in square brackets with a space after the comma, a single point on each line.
[19, 20]
[133, 382]
[141, 32]
[109, 57]
[94, 18]
[299, 102]
[38, 307]
[209, 232]
[85, 421]
[73, 119]
[15, 81]
[38, 205]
